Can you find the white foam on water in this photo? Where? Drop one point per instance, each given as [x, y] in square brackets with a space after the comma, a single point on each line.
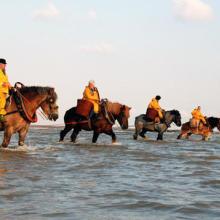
[87, 144]
[52, 148]
[117, 144]
[24, 148]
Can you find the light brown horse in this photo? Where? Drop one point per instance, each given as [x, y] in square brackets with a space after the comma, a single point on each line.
[205, 131]
[102, 124]
[32, 99]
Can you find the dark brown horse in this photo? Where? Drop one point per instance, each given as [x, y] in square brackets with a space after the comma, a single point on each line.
[102, 124]
[32, 98]
[205, 131]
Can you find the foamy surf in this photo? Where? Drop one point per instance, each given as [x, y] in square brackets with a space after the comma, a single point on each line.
[83, 144]
[24, 148]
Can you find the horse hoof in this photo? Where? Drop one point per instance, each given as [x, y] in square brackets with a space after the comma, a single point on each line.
[135, 137]
[2, 146]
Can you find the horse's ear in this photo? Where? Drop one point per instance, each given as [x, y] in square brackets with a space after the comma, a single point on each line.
[51, 91]
[123, 107]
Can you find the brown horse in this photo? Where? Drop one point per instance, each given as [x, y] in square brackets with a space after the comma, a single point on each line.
[205, 131]
[102, 124]
[32, 98]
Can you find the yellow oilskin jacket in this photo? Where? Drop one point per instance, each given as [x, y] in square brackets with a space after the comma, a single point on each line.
[92, 96]
[3, 79]
[4, 90]
[154, 104]
[196, 114]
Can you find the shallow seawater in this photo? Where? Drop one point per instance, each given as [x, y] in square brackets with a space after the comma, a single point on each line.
[140, 180]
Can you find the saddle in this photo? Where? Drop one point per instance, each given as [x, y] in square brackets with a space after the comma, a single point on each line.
[152, 116]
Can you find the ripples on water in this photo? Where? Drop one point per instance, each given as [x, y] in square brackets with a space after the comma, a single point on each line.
[132, 180]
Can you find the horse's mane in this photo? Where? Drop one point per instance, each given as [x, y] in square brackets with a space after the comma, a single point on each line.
[39, 90]
[114, 107]
[174, 112]
[213, 121]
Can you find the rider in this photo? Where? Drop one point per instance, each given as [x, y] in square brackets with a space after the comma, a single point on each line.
[91, 94]
[198, 116]
[4, 88]
[154, 105]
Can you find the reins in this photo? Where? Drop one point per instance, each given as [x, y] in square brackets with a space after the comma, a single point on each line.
[41, 113]
[107, 113]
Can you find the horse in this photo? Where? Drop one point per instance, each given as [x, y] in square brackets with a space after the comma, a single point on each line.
[18, 119]
[101, 124]
[142, 125]
[206, 130]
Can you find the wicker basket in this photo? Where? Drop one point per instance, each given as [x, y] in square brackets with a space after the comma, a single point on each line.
[84, 107]
[151, 114]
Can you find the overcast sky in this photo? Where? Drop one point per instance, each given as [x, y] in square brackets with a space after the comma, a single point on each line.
[133, 49]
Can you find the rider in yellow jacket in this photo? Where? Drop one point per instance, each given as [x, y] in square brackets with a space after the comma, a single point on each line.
[91, 94]
[154, 104]
[198, 116]
[4, 88]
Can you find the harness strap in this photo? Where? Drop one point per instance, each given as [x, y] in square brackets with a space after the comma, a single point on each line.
[18, 98]
[13, 112]
[77, 122]
[107, 113]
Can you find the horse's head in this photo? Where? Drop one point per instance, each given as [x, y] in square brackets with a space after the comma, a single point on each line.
[49, 105]
[173, 116]
[120, 113]
[214, 122]
[218, 126]
[123, 116]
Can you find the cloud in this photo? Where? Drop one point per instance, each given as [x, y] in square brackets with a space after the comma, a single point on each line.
[101, 48]
[48, 12]
[92, 14]
[193, 10]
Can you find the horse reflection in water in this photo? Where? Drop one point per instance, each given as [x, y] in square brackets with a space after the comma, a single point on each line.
[103, 123]
[32, 98]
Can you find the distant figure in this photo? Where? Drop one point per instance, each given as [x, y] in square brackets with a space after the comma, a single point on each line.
[4, 88]
[154, 111]
[91, 94]
[197, 118]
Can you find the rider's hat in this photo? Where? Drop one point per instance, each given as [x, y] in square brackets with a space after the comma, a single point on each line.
[157, 97]
[3, 61]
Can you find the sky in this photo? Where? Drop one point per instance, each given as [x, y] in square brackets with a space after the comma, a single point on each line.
[133, 49]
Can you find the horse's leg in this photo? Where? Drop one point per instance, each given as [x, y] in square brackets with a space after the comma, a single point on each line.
[160, 136]
[95, 136]
[142, 133]
[180, 135]
[74, 134]
[7, 137]
[184, 134]
[135, 136]
[206, 137]
[65, 131]
[22, 135]
[137, 132]
[112, 134]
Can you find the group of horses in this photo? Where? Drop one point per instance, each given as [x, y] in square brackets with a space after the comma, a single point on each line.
[21, 114]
